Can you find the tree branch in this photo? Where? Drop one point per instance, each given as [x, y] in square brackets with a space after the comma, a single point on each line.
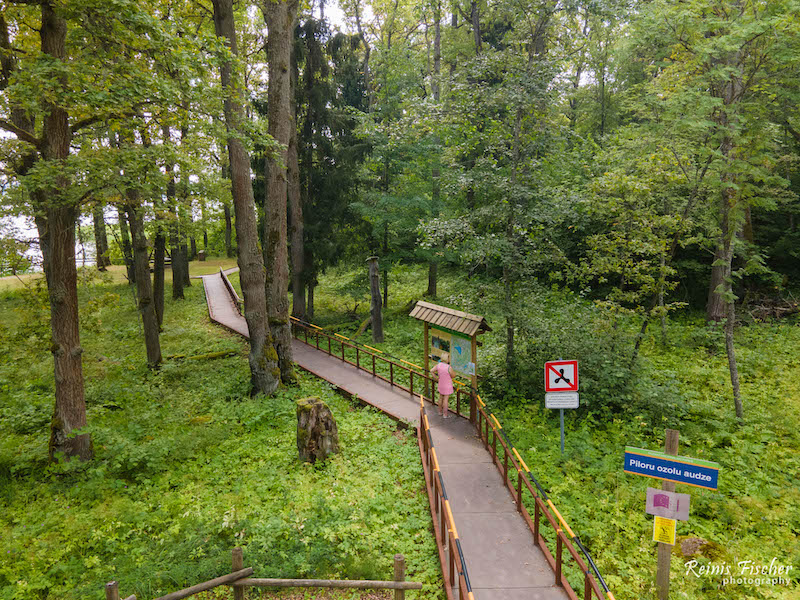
[20, 133]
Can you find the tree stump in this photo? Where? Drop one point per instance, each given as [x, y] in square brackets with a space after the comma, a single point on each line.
[317, 434]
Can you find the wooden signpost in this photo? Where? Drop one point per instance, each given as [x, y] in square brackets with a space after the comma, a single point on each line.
[669, 507]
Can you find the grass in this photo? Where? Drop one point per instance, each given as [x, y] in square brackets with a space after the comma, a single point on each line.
[116, 273]
[188, 466]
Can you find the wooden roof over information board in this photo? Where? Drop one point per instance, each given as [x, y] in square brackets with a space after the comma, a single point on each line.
[449, 318]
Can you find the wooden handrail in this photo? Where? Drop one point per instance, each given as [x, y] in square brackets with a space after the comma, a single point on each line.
[557, 523]
[341, 343]
[455, 566]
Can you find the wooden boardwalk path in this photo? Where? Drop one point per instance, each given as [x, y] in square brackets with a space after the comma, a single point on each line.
[503, 563]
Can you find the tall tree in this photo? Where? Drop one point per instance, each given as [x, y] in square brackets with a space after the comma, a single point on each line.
[56, 214]
[280, 17]
[264, 371]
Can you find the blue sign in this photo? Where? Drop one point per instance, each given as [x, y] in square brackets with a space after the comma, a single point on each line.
[680, 469]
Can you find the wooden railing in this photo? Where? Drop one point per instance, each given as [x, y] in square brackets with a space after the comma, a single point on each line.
[454, 566]
[238, 302]
[398, 373]
[510, 463]
[240, 579]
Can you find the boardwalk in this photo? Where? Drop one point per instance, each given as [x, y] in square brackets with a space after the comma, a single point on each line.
[503, 562]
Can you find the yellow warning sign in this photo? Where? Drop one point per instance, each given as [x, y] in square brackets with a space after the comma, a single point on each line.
[664, 530]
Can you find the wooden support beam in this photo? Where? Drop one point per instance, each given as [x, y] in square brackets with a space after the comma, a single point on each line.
[207, 585]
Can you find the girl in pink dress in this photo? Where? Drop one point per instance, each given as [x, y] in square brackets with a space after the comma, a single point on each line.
[444, 373]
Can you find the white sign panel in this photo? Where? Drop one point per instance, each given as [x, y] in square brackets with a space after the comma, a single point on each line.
[668, 505]
[561, 400]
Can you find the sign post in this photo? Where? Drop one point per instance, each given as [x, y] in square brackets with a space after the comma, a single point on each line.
[665, 549]
[561, 388]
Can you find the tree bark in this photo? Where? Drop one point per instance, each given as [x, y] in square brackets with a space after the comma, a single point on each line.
[159, 252]
[715, 307]
[127, 252]
[375, 311]
[144, 290]
[475, 17]
[185, 203]
[56, 227]
[280, 17]
[296, 223]
[264, 371]
[228, 228]
[100, 239]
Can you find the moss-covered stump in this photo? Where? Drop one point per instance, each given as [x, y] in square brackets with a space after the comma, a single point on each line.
[317, 434]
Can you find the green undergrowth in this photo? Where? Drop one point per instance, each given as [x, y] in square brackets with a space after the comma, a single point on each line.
[685, 385]
[188, 466]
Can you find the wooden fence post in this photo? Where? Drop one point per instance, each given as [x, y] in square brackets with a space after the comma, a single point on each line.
[399, 575]
[112, 591]
[237, 562]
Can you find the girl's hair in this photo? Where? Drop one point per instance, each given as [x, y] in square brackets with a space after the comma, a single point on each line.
[445, 357]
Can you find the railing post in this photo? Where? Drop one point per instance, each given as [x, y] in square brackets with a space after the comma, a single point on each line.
[411, 381]
[317, 332]
[237, 564]
[451, 547]
[494, 444]
[458, 401]
[519, 490]
[399, 575]
[391, 373]
[112, 591]
[358, 364]
[373, 365]
[329, 346]
[505, 463]
[587, 587]
[536, 522]
[559, 547]
[342, 350]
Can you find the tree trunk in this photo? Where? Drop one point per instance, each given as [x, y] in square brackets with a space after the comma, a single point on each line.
[147, 309]
[185, 204]
[187, 282]
[127, 252]
[386, 259]
[375, 305]
[264, 371]
[475, 16]
[715, 307]
[228, 228]
[312, 284]
[280, 18]
[317, 433]
[100, 239]
[432, 272]
[297, 226]
[57, 236]
[192, 248]
[159, 252]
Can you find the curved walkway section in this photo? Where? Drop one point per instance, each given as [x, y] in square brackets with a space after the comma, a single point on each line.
[502, 559]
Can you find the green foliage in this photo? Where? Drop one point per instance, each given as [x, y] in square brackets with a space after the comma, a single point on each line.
[188, 466]
[683, 385]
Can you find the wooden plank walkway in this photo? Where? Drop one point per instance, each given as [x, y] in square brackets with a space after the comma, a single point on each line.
[502, 560]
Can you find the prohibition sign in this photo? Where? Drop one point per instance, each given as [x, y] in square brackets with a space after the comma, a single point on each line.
[561, 376]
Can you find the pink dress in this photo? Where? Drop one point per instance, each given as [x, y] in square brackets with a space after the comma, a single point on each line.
[445, 381]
